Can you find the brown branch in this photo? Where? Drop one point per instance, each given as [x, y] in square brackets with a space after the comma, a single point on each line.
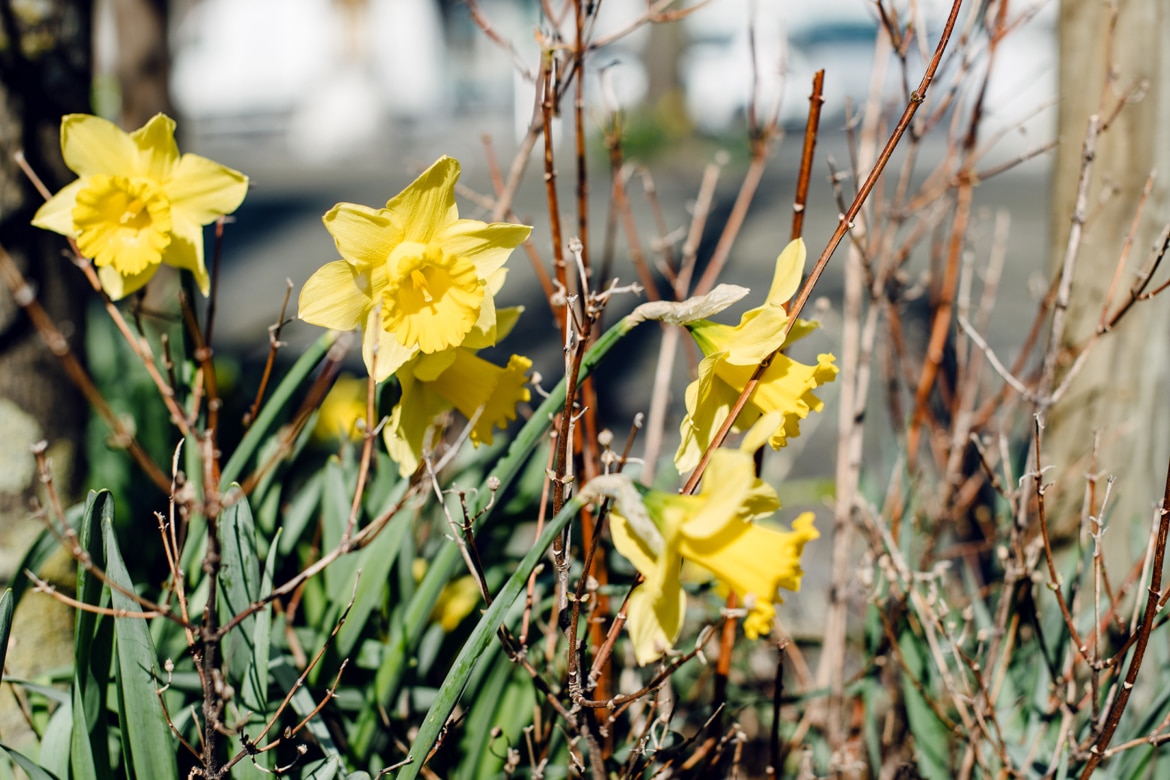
[1097, 751]
[815, 101]
[274, 345]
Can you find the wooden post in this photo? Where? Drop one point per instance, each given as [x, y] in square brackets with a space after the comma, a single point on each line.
[1123, 389]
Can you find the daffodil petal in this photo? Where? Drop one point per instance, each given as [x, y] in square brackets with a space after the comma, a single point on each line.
[707, 408]
[494, 282]
[57, 212]
[335, 297]
[428, 368]
[761, 431]
[391, 353]
[727, 483]
[118, 286]
[411, 429]
[485, 323]
[398, 446]
[338, 414]
[760, 333]
[92, 145]
[800, 329]
[486, 245]
[789, 268]
[427, 206]
[506, 320]
[364, 236]
[629, 544]
[205, 190]
[186, 249]
[157, 151]
[654, 625]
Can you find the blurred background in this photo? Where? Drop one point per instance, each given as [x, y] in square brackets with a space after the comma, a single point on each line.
[321, 101]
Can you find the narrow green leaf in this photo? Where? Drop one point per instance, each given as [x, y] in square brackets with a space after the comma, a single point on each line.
[303, 704]
[270, 413]
[29, 766]
[6, 608]
[239, 582]
[254, 693]
[93, 649]
[932, 740]
[335, 502]
[407, 633]
[256, 682]
[324, 769]
[374, 562]
[54, 754]
[476, 644]
[146, 737]
[300, 511]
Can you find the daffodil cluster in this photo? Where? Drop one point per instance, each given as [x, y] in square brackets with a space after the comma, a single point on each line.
[717, 530]
[421, 283]
[137, 203]
[731, 355]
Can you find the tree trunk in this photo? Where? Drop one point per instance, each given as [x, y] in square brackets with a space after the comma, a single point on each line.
[1120, 393]
[44, 73]
[143, 60]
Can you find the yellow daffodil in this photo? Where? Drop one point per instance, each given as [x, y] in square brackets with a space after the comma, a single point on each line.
[715, 529]
[413, 275]
[731, 355]
[340, 411]
[433, 384]
[458, 599]
[137, 203]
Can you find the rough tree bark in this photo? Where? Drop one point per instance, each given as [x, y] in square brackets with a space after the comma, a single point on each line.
[45, 71]
[1121, 391]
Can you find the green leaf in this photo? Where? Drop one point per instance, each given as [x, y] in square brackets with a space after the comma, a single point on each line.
[54, 755]
[6, 608]
[270, 413]
[300, 511]
[339, 576]
[374, 562]
[93, 650]
[325, 769]
[239, 582]
[303, 704]
[256, 681]
[146, 738]
[254, 693]
[30, 768]
[932, 739]
[407, 633]
[483, 634]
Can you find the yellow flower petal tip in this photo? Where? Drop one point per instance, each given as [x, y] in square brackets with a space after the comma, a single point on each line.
[137, 203]
[785, 393]
[415, 276]
[715, 529]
